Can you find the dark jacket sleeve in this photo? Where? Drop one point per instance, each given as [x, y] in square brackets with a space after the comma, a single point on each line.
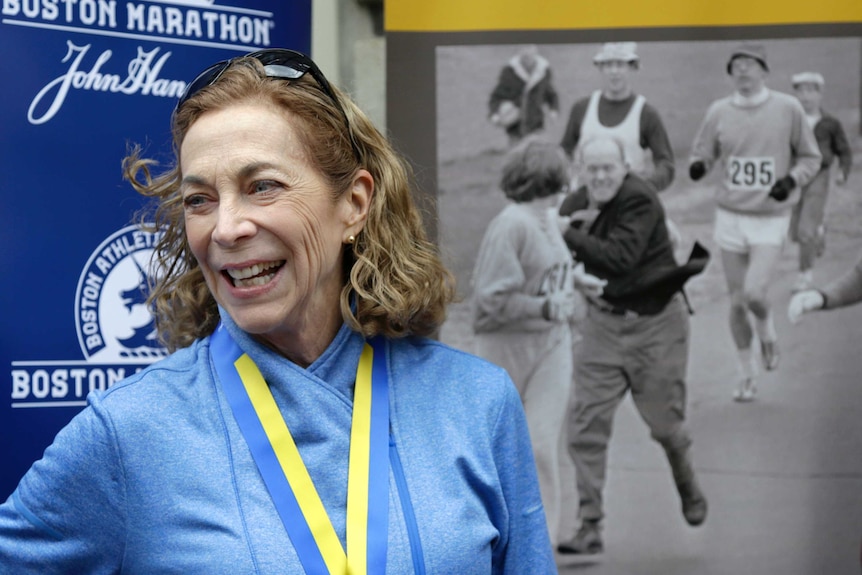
[621, 251]
[577, 200]
[841, 148]
[552, 98]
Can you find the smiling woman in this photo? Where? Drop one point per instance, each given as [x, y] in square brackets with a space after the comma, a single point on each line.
[296, 291]
[264, 229]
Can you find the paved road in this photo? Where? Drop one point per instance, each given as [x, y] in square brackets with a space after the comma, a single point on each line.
[783, 474]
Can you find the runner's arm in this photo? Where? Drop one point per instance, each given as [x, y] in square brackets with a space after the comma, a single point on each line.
[654, 137]
[842, 149]
[806, 151]
[705, 147]
[572, 135]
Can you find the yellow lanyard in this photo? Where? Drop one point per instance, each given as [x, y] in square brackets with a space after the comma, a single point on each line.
[273, 448]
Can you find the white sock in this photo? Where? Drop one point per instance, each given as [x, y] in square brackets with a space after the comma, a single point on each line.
[765, 327]
[746, 363]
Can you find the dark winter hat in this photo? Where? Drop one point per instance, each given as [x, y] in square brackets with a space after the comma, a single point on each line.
[756, 51]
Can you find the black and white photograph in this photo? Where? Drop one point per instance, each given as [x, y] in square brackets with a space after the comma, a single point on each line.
[695, 379]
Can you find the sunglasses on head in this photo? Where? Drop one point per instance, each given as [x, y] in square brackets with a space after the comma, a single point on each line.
[278, 63]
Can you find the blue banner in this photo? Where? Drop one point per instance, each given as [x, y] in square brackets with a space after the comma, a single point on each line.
[81, 81]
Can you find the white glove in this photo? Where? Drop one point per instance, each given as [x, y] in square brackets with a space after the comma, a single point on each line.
[803, 302]
[588, 284]
[560, 306]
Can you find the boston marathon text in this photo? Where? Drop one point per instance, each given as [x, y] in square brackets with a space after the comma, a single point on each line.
[35, 383]
[153, 19]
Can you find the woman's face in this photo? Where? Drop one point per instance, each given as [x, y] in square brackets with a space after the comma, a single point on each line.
[263, 226]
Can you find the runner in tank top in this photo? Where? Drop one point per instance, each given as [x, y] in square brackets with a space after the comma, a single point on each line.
[617, 111]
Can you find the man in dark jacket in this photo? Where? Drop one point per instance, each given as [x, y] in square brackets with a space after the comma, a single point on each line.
[635, 337]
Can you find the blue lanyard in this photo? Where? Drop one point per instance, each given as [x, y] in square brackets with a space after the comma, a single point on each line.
[286, 476]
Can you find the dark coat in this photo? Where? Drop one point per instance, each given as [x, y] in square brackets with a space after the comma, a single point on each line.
[530, 92]
[832, 142]
[628, 245]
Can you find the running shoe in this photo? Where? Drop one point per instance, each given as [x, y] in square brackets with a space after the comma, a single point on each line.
[746, 391]
[587, 541]
[770, 355]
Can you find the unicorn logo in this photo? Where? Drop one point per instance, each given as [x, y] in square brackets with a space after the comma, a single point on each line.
[114, 322]
[143, 336]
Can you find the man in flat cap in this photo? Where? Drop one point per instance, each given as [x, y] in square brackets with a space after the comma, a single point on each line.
[616, 110]
[766, 152]
[807, 227]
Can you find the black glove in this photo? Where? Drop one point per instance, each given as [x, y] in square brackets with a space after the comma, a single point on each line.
[697, 170]
[782, 188]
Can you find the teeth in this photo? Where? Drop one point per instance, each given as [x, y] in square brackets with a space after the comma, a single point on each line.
[255, 281]
[245, 273]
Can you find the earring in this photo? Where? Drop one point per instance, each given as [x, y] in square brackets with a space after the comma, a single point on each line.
[351, 239]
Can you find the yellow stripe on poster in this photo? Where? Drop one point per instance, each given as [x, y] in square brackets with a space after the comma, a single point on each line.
[460, 16]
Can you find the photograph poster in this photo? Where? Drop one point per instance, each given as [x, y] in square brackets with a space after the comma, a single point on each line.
[778, 464]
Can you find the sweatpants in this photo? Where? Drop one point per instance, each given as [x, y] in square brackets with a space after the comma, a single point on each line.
[540, 364]
[646, 356]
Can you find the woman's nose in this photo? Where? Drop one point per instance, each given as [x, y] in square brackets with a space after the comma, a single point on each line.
[233, 223]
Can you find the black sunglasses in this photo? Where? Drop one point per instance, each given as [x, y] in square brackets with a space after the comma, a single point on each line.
[278, 63]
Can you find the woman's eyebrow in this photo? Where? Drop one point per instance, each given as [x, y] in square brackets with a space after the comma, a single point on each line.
[246, 172]
[192, 181]
[255, 167]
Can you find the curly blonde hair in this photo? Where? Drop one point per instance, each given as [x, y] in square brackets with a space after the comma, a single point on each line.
[394, 284]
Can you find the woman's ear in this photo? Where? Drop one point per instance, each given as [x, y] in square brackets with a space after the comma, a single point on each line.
[358, 202]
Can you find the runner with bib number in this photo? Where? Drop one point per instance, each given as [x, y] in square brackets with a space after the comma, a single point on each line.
[767, 151]
[749, 173]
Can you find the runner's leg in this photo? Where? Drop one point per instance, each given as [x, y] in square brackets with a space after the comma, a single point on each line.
[763, 261]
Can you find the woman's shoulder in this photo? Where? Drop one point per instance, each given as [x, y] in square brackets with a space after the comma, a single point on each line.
[510, 223]
[435, 384]
[511, 212]
[436, 364]
[432, 351]
[438, 377]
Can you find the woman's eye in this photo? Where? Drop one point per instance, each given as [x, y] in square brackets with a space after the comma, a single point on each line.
[263, 186]
[194, 201]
